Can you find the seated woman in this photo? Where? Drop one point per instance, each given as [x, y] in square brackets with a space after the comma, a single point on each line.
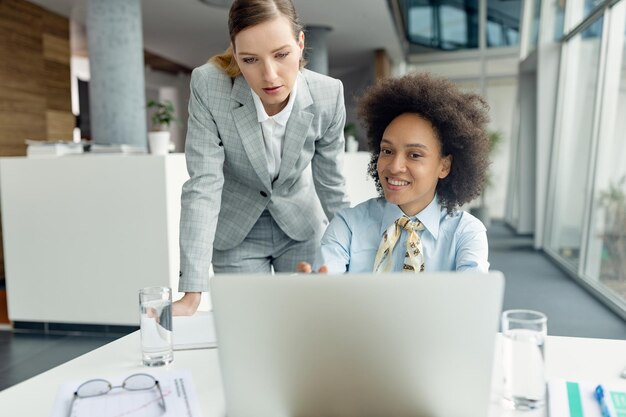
[430, 151]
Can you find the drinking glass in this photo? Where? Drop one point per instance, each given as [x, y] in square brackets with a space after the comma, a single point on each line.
[524, 334]
[155, 304]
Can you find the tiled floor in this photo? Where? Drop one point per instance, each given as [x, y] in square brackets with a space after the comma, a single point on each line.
[23, 355]
[532, 281]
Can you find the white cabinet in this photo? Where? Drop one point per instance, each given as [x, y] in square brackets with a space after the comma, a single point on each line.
[359, 184]
[83, 233]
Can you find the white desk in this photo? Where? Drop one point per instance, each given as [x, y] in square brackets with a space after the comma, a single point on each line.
[570, 358]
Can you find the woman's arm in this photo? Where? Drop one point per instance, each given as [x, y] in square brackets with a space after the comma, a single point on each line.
[327, 163]
[201, 194]
[472, 248]
[335, 245]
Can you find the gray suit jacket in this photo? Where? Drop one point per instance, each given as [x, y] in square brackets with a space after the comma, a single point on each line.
[230, 186]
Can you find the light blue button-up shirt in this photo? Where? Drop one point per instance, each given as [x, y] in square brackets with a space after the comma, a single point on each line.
[454, 242]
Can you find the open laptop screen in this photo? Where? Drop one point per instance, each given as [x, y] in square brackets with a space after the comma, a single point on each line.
[357, 344]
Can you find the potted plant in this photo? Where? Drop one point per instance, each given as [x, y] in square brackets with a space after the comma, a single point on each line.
[162, 116]
[613, 202]
[482, 211]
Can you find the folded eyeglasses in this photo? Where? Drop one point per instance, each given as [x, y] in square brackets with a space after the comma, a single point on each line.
[98, 387]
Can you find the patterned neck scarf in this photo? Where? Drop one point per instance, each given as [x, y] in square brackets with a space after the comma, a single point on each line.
[414, 256]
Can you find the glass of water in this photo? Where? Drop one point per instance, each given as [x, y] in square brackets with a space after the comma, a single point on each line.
[155, 304]
[524, 334]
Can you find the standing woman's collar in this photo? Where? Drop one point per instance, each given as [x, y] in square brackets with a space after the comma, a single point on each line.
[241, 91]
[304, 98]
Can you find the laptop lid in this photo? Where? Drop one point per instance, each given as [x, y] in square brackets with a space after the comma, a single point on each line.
[357, 344]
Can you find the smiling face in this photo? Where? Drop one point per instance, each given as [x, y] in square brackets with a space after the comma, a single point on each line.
[268, 55]
[410, 163]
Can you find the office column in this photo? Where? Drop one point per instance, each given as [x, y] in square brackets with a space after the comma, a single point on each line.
[117, 86]
[316, 48]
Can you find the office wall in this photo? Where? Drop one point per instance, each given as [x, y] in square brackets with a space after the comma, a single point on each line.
[161, 85]
[355, 82]
[34, 76]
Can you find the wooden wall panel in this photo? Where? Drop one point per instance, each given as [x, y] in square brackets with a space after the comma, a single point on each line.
[21, 62]
[382, 64]
[56, 49]
[4, 315]
[59, 125]
[57, 79]
[21, 14]
[17, 127]
[34, 76]
[56, 25]
[20, 101]
[22, 116]
[56, 53]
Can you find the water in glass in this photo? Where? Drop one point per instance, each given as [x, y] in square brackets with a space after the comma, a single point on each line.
[156, 332]
[524, 377]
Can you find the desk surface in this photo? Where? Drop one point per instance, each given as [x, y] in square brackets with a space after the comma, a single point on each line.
[566, 357]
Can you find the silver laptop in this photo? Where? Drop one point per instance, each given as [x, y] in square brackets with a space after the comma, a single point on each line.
[357, 345]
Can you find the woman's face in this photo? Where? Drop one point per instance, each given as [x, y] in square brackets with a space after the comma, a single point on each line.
[410, 163]
[269, 58]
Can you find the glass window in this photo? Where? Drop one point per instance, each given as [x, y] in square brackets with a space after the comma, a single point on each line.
[496, 34]
[534, 29]
[503, 23]
[512, 36]
[442, 24]
[572, 165]
[580, 10]
[606, 260]
[590, 5]
[559, 19]
[421, 22]
[454, 30]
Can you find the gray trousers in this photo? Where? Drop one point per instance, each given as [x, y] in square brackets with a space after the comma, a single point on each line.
[266, 248]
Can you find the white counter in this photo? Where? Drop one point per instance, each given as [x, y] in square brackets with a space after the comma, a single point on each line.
[359, 184]
[83, 233]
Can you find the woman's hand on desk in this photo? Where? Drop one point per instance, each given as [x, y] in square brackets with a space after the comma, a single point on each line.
[187, 305]
[307, 269]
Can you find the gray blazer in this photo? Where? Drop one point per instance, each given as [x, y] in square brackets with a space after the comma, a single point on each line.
[229, 185]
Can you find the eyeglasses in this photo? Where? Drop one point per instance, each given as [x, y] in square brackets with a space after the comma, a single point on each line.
[98, 387]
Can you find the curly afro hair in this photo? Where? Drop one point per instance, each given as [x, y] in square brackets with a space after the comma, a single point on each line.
[459, 120]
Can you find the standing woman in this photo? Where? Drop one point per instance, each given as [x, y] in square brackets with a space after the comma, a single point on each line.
[257, 121]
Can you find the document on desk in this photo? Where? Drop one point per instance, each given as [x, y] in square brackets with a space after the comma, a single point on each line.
[576, 399]
[179, 394]
[194, 332]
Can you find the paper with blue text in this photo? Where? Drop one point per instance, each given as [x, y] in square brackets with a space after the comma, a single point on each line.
[577, 399]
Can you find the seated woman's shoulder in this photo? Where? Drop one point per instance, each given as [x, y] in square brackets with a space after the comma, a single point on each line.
[366, 209]
[467, 221]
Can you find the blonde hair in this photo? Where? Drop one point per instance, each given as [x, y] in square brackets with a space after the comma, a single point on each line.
[246, 13]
